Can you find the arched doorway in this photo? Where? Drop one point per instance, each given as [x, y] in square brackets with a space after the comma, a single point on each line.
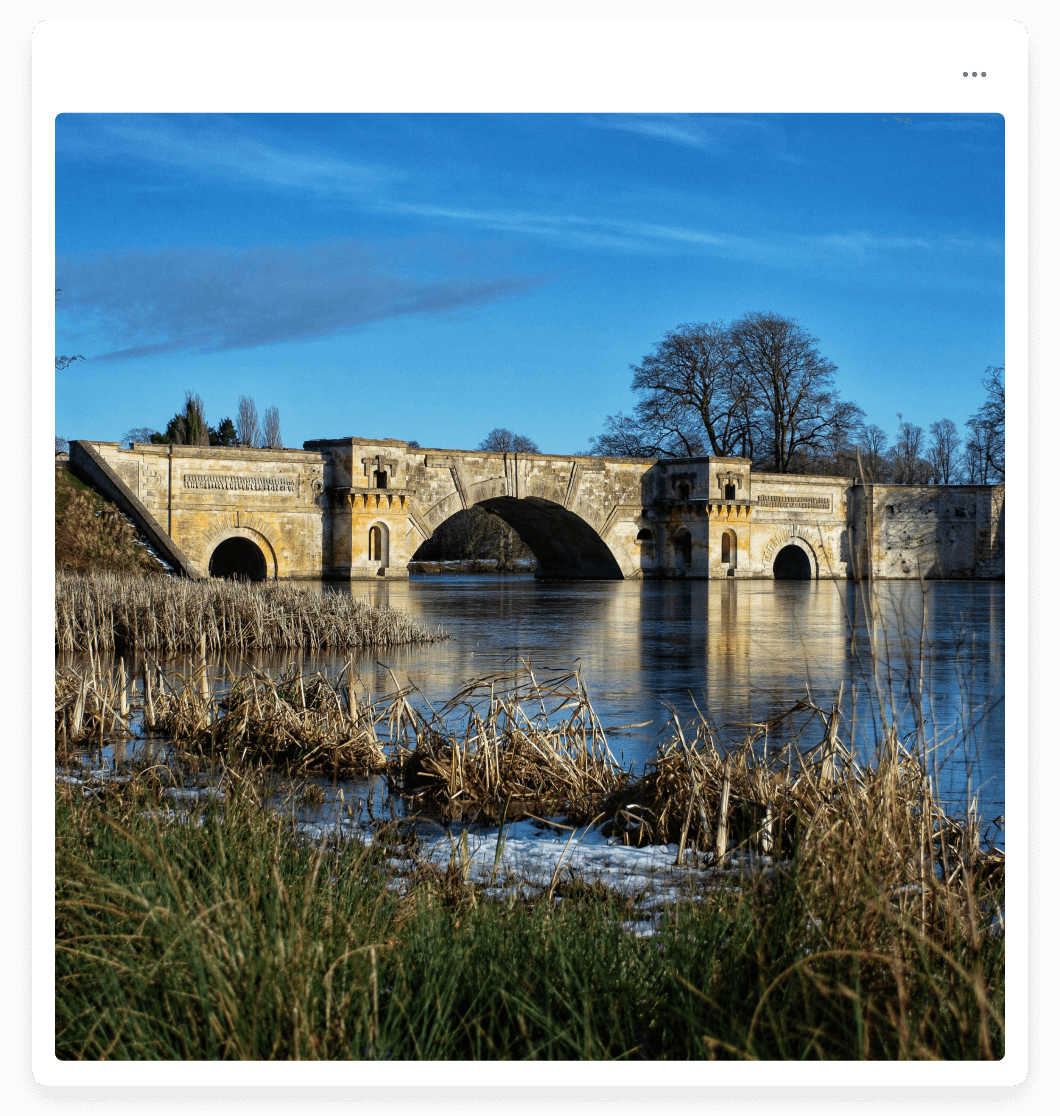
[792, 564]
[682, 549]
[238, 559]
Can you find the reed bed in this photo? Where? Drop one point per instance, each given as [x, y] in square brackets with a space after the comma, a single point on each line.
[233, 939]
[507, 742]
[295, 723]
[90, 705]
[107, 611]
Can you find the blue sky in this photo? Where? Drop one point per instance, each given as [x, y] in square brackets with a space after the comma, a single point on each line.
[435, 276]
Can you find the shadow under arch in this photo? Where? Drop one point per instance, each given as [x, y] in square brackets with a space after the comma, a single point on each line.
[260, 541]
[239, 559]
[792, 564]
[565, 546]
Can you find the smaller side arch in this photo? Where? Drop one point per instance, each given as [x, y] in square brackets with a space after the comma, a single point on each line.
[791, 538]
[260, 539]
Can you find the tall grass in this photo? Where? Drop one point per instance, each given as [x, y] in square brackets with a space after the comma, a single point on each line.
[230, 940]
[92, 534]
[867, 924]
[106, 611]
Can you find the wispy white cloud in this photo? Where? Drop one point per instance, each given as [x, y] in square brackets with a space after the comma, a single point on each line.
[630, 235]
[206, 300]
[219, 147]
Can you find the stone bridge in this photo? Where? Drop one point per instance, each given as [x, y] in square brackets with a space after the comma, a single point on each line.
[354, 508]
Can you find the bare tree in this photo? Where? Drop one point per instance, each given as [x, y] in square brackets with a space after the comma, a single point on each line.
[624, 436]
[690, 387]
[792, 383]
[501, 440]
[985, 447]
[142, 434]
[980, 452]
[61, 445]
[944, 451]
[872, 450]
[907, 463]
[270, 429]
[247, 423]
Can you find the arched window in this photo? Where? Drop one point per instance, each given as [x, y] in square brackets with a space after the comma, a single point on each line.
[379, 545]
[683, 491]
[730, 492]
[682, 549]
[644, 535]
[728, 548]
[380, 478]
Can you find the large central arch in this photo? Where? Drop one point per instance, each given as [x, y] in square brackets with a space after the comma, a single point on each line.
[564, 545]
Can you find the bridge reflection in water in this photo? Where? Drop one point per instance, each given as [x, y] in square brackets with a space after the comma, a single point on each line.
[740, 650]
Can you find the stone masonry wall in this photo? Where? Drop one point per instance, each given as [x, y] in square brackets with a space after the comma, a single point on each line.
[204, 495]
[359, 508]
[937, 531]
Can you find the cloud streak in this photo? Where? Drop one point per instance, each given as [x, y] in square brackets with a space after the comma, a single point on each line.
[220, 148]
[769, 248]
[208, 300]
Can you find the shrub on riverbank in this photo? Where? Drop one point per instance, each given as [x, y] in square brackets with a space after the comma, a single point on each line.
[218, 935]
[165, 615]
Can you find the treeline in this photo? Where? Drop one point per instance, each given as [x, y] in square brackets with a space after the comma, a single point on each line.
[188, 427]
[759, 388]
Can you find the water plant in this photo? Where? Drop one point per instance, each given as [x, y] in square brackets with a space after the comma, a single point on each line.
[107, 611]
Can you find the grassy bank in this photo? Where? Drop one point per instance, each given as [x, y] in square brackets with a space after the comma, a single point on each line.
[107, 611]
[91, 534]
[230, 939]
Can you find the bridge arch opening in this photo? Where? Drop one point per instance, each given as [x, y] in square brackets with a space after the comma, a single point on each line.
[682, 549]
[239, 559]
[728, 548]
[792, 564]
[565, 546]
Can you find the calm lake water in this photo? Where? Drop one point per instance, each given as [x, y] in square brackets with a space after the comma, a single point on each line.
[740, 650]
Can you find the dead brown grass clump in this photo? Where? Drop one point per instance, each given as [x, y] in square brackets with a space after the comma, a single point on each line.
[858, 831]
[501, 756]
[292, 723]
[90, 705]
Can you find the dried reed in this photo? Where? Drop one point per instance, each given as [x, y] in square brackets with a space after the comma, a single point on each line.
[164, 615]
[497, 753]
[90, 704]
[294, 723]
